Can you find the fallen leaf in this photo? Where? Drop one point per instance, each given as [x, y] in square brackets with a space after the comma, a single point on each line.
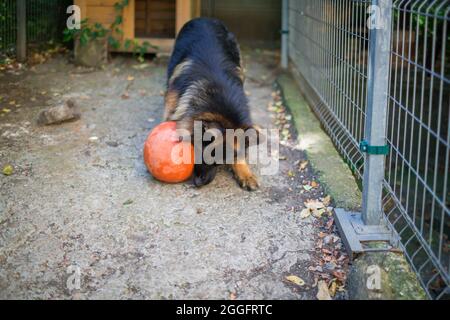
[141, 66]
[318, 213]
[314, 204]
[330, 224]
[12, 103]
[323, 293]
[128, 202]
[296, 280]
[305, 213]
[303, 165]
[332, 288]
[291, 174]
[326, 201]
[125, 96]
[130, 78]
[8, 170]
[314, 184]
[6, 110]
[307, 187]
[340, 276]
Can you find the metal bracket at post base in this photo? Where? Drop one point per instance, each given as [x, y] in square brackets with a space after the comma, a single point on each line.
[356, 235]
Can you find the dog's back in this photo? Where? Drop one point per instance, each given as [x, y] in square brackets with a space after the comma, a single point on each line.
[208, 42]
[206, 59]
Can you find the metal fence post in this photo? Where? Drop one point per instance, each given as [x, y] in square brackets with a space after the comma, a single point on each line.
[285, 35]
[376, 113]
[21, 30]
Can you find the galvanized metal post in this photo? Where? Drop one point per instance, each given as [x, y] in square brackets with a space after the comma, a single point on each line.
[21, 30]
[285, 35]
[375, 126]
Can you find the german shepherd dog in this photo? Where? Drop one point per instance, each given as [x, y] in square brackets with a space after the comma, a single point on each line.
[206, 83]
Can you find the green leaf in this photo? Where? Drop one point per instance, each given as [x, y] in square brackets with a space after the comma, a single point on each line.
[128, 44]
[8, 170]
[119, 20]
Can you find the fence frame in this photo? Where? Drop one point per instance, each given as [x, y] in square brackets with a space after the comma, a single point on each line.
[312, 60]
[357, 229]
[21, 30]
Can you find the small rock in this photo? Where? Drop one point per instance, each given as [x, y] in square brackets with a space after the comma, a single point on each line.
[59, 114]
[113, 144]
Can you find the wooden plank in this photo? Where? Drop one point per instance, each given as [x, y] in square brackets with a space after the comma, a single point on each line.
[83, 6]
[129, 20]
[103, 15]
[101, 3]
[164, 45]
[183, 14]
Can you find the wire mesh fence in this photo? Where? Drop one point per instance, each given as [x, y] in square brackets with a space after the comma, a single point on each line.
[329, 50]
[45, 21]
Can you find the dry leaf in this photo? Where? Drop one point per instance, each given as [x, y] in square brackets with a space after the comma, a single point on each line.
[332, 289]
[305, 213]
[326, 201]
[318, 213]
[303, 165]
[314, 204]
[296, 280]
[323, 293]
[130, 78]
[314, 184]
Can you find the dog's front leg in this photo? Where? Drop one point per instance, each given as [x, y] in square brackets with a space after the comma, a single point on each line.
[245, 176]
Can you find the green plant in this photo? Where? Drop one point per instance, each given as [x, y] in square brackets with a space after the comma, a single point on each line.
[89, 32]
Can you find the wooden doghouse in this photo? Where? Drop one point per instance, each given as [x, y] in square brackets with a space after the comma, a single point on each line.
[155, 21]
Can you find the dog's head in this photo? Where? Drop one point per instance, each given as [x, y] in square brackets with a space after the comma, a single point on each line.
[221, 143]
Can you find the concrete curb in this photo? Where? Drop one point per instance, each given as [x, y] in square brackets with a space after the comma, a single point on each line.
[333, 172]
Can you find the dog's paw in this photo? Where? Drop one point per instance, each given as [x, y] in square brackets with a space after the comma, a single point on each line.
[249, 183]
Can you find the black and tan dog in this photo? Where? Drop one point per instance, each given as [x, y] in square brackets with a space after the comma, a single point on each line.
[206, 83]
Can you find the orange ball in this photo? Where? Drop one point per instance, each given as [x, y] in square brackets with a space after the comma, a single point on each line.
[168, 159]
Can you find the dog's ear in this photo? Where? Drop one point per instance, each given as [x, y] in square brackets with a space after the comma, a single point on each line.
[254, 136]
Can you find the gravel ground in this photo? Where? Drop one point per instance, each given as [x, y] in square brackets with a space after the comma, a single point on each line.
[81, 200]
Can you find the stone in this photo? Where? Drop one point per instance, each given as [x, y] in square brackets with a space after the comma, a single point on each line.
[59, 114]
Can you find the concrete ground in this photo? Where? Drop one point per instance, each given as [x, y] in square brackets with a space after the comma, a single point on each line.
[81, 199]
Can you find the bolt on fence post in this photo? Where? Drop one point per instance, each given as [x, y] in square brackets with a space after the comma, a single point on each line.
[285, 34]
[21, 30]
[376, 113]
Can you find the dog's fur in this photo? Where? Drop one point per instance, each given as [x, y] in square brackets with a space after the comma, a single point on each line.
[206, 83]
